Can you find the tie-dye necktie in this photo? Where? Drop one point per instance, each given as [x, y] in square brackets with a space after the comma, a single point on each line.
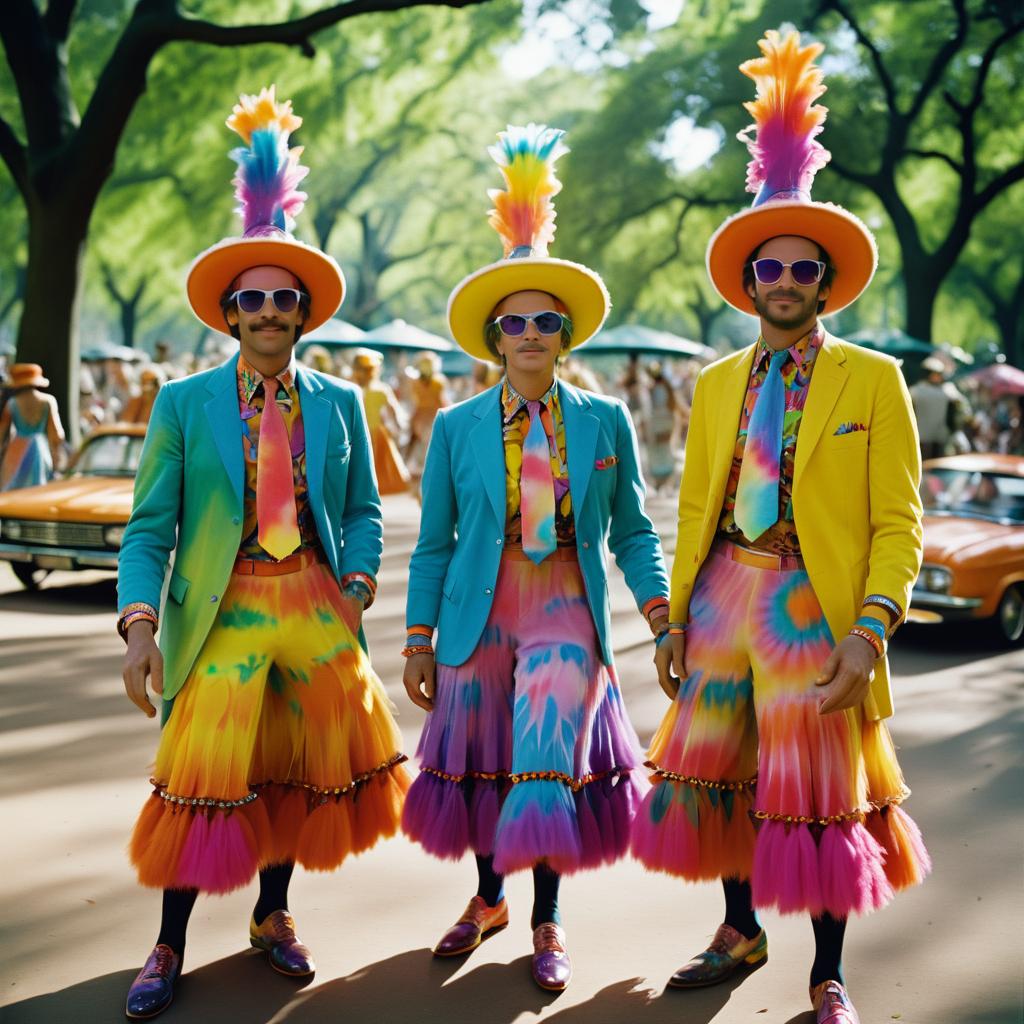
[757, 492]
[278, 527]
[537, 490]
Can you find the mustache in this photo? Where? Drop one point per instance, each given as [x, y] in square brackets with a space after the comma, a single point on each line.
[531, 346]
[793, 296]
[268, 323]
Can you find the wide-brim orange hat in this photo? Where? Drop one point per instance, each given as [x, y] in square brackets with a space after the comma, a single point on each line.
[785, 158]
[524, 217]
[27, 375]
[266, 188]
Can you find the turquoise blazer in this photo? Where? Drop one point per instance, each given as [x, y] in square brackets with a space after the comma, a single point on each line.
[188, 500]
[454, 567]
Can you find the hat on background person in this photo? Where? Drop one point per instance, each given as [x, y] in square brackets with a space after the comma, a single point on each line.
[266, 188]
[785, 156]
[26, 375]
[524, 217]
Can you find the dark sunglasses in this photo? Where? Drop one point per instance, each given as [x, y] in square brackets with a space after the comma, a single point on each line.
[514, 324]
[805, 272]
[252, 300]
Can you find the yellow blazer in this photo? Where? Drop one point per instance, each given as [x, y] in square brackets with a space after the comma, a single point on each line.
[855, 494]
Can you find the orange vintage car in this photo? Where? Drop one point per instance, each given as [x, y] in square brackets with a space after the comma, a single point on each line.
[77, 521]
[973, 543]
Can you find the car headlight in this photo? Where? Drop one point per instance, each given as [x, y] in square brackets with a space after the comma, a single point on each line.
[12, 530]
[113, 535]
[936, 580]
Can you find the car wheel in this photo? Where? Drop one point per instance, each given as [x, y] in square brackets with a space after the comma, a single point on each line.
[1009, 619]
[29, 574]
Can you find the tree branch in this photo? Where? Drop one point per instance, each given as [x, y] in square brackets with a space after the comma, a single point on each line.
[997, 186]
[12, 152]
[58, 18]
[934, 154]
[940, 62]
[888, 87]
[987, 60]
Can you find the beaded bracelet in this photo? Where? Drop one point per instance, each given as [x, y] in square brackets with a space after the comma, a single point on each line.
[866, 634]
[887, 603]
[411, 649]
[357, 588]
[133, 617]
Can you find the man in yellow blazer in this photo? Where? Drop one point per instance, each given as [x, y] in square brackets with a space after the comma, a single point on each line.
[799, 542]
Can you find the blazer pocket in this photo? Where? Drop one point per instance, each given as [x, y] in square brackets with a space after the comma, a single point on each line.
[178, 587]
[341, 452]
[847, 442]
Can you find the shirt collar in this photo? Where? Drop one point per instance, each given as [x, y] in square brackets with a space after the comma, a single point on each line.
[512, 401]
[802, 351]
[249, 378]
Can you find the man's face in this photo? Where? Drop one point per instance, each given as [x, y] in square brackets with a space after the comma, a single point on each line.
[786, 304]
[531, 351]
[267, 332]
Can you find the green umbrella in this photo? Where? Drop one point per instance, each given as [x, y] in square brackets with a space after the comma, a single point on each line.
[893, 342]
[399, 334]
[336, 331]
[627, 339]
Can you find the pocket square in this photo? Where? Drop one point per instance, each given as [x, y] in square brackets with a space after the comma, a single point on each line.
[849, 428]
[607, 462]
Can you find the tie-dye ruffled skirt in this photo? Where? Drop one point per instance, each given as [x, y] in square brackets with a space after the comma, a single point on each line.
[281, 744]
[528, 753]
[751, 782]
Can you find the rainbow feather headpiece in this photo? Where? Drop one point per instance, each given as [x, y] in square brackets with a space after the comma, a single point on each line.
[785, 153]
[268, 171]
[523, 214]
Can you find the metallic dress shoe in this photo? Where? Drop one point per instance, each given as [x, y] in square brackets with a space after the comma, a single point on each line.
[832, 1004]
[727, 951]
[153, 988]
[551, 966]
[476, 923]
[277, 936]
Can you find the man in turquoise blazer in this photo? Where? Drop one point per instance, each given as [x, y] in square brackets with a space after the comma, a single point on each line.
[454, 568]
[256, 484]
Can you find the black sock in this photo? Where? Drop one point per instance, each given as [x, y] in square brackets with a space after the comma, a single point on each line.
[829, 932]
[273, 890]
[739, 908]
[492, 885]
[178, 904]
[545, 896]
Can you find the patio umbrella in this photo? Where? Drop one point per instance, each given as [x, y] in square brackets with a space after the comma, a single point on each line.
[893, 342]
[336, 330]
[627, 339]
[1000, 378]
[399, 334]
[97, 351]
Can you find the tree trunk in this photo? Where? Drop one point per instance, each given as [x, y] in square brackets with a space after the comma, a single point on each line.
[48, 331]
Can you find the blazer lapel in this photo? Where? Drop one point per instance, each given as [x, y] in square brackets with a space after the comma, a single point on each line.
[581, 430]
[225, 421]
[315, 410]
[734, 391]
[489, 448]
[827, 381]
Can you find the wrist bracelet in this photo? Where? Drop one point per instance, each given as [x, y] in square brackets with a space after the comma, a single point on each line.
[866, 634]
[412, 649]
[887, 603]
[661, 636]
[357, 588]
[419, 640]
[876, 626]
[680, 626]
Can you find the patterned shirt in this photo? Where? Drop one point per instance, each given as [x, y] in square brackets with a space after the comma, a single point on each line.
[515, 418]
[780, 539]
[250, 404]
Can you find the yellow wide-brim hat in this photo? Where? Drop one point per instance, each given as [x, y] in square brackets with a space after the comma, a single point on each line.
[577, 287]
[213, 271]
[524, 218]
[847, 240]
[266, 187]
[785, 157]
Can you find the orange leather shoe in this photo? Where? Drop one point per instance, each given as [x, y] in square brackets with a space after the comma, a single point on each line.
[478, 921]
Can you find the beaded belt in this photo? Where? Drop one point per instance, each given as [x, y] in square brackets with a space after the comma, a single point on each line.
[293, 563]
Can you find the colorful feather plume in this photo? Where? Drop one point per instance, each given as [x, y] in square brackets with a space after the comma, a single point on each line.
[268, 171]
[785, 152]
[523, 213]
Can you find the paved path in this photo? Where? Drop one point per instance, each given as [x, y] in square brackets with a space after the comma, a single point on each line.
[73, 768]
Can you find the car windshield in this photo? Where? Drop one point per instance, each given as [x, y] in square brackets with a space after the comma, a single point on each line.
[110, 455]
[975, 494]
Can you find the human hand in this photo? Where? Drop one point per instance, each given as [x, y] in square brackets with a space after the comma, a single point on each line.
[846, 675]
[142, 659]
[418, 679]
[663, 654]
[352, 611]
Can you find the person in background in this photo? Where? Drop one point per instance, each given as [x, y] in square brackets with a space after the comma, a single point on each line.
[428, 389]
[31, 434]
[140, 406]
[384, 418]
[938, 407]
[662, 419]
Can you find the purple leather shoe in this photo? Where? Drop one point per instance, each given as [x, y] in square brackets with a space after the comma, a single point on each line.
[727, 951]
[832, 1004]
[153, 988]
[277, 936]
[551, 966]
[478, 921]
